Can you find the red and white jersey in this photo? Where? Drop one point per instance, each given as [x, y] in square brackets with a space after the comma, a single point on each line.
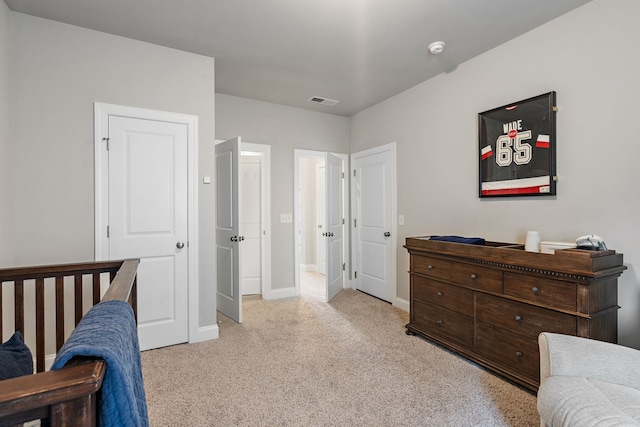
[515, 145]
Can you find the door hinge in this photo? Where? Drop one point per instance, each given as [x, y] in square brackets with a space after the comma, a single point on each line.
[342, 221]
[343, 266]
[354, 172]
[107, 231]
[354, 223]
[107, 141]
[355, 274]
[342, 175]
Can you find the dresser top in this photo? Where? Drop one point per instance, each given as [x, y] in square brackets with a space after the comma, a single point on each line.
[573, 261]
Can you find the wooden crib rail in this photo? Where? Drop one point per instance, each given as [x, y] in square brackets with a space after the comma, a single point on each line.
[68, 396]
[124, 286]
[17, 277]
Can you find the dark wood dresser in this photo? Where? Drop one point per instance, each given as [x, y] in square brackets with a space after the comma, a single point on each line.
[489, 303]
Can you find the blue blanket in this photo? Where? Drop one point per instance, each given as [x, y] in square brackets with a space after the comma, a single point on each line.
[109, 331]
[459, 239]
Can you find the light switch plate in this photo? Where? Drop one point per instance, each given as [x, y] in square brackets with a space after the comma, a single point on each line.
[400, 219]
[286, 218]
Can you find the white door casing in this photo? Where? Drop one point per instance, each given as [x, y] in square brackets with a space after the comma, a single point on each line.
[334, 226]
[228, 233]
[374, 225]
[321, 242]
[144, 201]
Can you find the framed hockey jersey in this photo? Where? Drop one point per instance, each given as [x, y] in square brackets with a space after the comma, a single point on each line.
[517, 148]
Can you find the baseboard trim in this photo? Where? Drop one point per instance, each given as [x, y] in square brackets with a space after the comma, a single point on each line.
[309, 267]
[402, 304]
[281, 293]
[206, 333]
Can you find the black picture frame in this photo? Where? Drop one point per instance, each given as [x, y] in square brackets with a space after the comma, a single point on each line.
[517, 148]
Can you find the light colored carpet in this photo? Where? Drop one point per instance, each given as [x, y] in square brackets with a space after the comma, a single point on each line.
[303, 362]
[313, 284]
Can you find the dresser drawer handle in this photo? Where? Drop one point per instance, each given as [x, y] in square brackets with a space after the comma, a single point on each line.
[518, 354]
[439, 322]
[518, 318]
[429, 267]
[534, 290]
[439, 293]
[473, 276]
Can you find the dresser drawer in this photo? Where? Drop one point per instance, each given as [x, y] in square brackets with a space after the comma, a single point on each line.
[448, 296]
[513, 352]
[522, 319]
[442, 322]
[432, 267]
[477, 277]
[554, 293]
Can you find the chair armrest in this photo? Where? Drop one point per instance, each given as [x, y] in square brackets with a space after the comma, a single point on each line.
[581, 357]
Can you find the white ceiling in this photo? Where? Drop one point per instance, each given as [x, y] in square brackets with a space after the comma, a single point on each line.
[359, 52]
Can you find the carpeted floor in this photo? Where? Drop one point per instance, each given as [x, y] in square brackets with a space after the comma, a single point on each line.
[303, 362]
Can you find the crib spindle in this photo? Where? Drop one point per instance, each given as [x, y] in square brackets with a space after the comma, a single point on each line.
[40, 324]
[77, 295]
[19, 306]
[59, 312]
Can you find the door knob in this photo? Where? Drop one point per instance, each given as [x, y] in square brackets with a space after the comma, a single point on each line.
[180, 245]
[234, 239]
[387, 234]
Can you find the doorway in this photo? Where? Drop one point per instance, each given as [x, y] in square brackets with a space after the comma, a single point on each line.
[319, 223]
[313, 268]
[238, 235]
[255, 220]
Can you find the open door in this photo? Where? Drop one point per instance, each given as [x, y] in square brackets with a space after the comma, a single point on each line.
[333, 225]
[228, 233]
[330, 228]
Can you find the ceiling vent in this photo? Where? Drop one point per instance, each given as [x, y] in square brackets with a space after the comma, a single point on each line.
[323, 101]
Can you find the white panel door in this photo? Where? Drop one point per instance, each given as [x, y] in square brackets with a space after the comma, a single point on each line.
[228, 238]
[334, 225]
[148, 220]
[374, 246]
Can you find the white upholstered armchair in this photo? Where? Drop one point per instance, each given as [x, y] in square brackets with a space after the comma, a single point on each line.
[584, 382]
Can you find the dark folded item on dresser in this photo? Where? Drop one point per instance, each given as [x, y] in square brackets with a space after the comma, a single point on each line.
[459, 239]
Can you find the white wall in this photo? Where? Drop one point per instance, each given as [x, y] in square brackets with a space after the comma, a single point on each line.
[57, 72]
[284, 129]
[6, 235]
[589, 57]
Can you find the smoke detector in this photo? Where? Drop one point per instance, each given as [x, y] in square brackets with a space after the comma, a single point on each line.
[323, 101]
[436, 47]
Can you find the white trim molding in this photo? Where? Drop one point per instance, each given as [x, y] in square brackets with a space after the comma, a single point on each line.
[402, 304]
